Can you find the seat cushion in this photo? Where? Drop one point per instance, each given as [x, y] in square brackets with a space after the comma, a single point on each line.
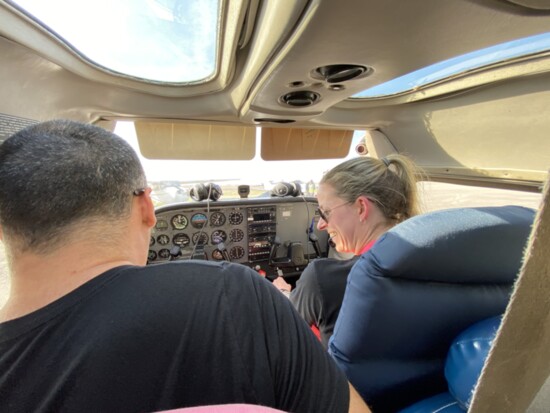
[441, 403]
[466, 358]
[465, 361]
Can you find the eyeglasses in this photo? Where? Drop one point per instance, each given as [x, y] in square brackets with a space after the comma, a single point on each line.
[325, 214]
[138, 192]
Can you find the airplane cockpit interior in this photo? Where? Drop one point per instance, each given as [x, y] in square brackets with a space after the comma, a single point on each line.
[237, 109]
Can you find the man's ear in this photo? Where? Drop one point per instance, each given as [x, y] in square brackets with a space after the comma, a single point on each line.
[147, 208]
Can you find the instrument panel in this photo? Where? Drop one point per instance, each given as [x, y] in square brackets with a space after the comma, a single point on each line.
[268, 234]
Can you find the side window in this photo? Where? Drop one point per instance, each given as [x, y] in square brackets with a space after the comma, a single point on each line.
[438, 195]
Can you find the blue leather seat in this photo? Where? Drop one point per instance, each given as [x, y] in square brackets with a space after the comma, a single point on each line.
[465, 360]
[421, 284]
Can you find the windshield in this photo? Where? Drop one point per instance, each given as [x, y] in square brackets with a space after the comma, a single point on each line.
[171, 180]
[160, 40]
[459, 64]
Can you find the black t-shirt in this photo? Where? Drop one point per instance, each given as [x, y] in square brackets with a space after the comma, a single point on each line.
[142, 339]
[320, 291]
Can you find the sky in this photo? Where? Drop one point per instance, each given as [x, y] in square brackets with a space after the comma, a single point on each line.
[150, 39]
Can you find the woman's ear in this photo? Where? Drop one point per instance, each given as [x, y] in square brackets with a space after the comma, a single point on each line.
[364, 205]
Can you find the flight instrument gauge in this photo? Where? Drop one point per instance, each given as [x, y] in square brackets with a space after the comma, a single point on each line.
[235, 217]
[217, 255]
[217, 219]
[218, 236]
[236, 252]
[236, 235]
[179, 221]
[161, 225]
[200, 238]
[163, 239]
[181, 239]
[199, 220]
[164, 253]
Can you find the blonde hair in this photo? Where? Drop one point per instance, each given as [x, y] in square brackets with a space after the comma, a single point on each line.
[390, 182]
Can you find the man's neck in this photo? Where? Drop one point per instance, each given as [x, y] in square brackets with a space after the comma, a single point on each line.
[38, 280]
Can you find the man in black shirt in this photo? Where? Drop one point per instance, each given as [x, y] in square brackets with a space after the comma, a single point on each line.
[88, 327]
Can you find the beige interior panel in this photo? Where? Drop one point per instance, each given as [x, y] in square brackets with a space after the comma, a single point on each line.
[378, 144]
[159, 140]
[497, 132]
[502, 136]
[295, 143]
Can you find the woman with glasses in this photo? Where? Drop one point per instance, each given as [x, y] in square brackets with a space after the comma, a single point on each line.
[359, 200]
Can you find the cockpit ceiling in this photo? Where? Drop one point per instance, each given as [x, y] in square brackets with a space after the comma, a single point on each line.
[391, 38]
[488, 124]
[267, 59]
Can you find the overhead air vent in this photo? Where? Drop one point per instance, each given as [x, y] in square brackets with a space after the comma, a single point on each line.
[273, 120]
[297, 83]
[300, 98]
[341, 73]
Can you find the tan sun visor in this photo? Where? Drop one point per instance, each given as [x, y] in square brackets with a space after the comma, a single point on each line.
[166, 140]
[279, 144]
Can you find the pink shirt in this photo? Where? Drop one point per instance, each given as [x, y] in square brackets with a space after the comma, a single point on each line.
[367, 247]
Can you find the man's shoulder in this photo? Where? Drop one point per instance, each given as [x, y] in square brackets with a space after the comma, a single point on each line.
[181, 288]
[185, 278]
[232, 278]
[194, 268]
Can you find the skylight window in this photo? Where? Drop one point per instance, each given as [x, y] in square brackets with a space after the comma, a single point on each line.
[173, 41]
[460, 64]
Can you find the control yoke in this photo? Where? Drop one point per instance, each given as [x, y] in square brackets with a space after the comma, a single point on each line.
[294, 257]
[314, 239]
[175, 252]
[220, 246]
[275, 261]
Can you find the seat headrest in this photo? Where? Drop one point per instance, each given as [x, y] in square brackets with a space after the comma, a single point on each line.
[466, 358]
[470, 244]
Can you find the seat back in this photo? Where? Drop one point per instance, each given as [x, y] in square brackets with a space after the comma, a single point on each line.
[421, 284]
